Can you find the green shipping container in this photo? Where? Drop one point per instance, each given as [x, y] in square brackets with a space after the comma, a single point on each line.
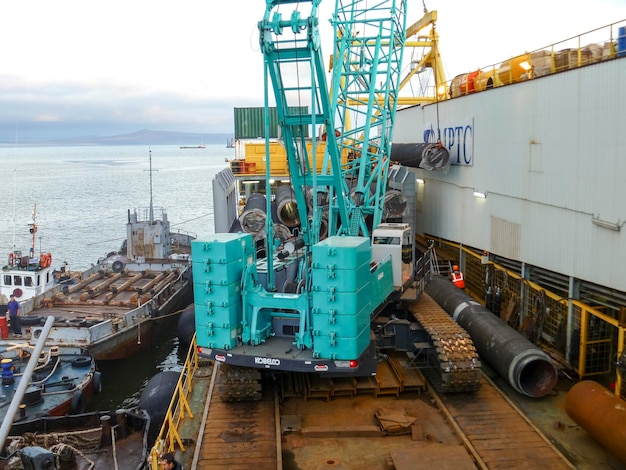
[250, 122]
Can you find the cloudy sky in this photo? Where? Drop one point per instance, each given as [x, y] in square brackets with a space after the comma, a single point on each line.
[85, 67]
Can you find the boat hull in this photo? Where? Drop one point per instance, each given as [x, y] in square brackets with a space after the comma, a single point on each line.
[114, 329]
[62, 382]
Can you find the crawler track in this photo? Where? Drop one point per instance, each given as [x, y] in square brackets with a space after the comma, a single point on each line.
[458, 363]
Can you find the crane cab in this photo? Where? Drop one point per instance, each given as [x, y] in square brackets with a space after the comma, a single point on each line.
[395, 240]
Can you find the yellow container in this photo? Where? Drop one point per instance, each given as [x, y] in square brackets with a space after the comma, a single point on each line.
[514, 70]
[484, 80]
[255, 161]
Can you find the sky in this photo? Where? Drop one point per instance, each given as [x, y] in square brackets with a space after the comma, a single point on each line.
[73, 68]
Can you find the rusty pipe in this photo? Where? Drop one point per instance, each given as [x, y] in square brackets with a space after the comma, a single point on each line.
[599, 412]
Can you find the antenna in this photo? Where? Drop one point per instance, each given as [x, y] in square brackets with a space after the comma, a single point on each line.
[151, 170]
[14, 202]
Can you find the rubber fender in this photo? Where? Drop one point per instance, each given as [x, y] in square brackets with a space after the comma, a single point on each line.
[77, 405]
[30, 320]
[155, 399]
[117, 266]
[81, 361]
[97, 383]
[186, 326]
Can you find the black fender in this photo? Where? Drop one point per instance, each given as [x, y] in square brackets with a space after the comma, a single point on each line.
[81, 361]
[96, 384]
[77, 405]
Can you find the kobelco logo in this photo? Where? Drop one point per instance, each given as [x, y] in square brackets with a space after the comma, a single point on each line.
[266, 361]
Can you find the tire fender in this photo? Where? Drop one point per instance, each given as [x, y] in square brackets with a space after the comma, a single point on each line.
[97, 383]
[77, 405]
[81, 361]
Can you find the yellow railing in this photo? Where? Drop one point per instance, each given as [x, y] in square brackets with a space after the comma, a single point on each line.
[590, 47]
[178, 410]
[542, 315]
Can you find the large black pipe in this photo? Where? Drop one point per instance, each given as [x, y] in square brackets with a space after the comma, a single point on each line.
[426, 156]
[527, 368]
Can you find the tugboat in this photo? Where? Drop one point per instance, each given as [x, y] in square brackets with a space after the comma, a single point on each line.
[26, 275]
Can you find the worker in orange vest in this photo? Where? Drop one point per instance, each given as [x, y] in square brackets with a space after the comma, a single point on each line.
[457, 277]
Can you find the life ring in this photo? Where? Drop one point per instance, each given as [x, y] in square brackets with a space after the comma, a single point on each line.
[11, 259]
[17, 292]
[81, 361]
[77, 405]
[96, 384]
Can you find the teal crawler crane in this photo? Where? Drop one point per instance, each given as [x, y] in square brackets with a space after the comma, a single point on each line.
[310, 303]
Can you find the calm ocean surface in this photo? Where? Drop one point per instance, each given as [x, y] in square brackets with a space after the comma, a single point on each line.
[83, 195]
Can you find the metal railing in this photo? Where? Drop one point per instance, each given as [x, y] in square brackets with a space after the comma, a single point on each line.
[178, 410]
[600, 44]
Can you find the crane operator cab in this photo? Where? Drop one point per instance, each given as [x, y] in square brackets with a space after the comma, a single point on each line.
[394, 240]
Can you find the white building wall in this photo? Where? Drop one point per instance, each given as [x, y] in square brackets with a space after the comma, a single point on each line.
[551, 155]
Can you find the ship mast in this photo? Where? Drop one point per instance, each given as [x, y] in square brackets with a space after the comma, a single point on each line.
[33, 231]
[151, 207]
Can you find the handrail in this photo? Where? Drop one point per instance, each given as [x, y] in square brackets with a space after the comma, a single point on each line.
[178, 409]
[474, 81]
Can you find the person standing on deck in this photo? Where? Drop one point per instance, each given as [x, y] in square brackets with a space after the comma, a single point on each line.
[456, 276]
[14, 315]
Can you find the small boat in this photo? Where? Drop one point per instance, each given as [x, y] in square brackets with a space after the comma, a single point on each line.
[60, 380]
[26, 275]
[116, 305]
[201, 146]
[230, 143]
[94, 440]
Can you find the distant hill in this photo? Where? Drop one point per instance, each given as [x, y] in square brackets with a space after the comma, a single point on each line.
[142, 137]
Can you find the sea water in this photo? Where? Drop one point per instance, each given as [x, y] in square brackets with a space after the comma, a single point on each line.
[83, 194]
[82, 197]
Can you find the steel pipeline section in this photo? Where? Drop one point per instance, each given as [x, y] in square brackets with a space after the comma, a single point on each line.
[426, 156]
[527, 368]
[599, 412]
